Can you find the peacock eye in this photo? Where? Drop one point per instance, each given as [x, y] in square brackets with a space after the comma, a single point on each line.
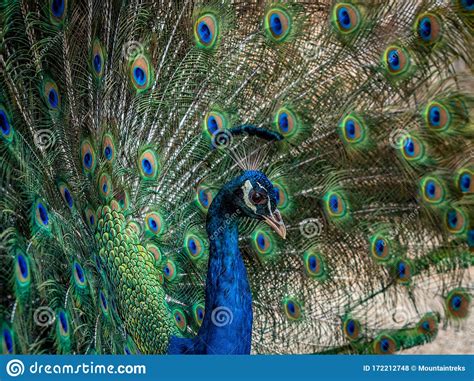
[258, 198]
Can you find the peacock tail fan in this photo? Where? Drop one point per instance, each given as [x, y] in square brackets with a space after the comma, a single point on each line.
[120, 122]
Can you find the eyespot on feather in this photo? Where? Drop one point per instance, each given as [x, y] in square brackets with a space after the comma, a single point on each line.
[457, 303]
[198, 313]
[22, 270]
[98, 60]
[314, 265]
[278, 24]
[262, 242]
[352, 129]
[428, 325]
[384, 345]
[6, 128]
[148, 164]
[214, 122]
[140, 73]
[433, 190]
[194, 246]
[57, 11]
[204, 197]
[41, 216]
[66, 194]
[91, 218]
[79, 275]
[380, 248]
[206, 31]
[105, 186]
[456, 220]
[88, 157]
[396, 60]
[335, 205]
[51, 95]
[437, 117]
[62, 324]
[108, 148]
[169, 270]
[351, 329]
[292, 309]
[282, 197]
[428, 28]
[412, 149]
[156, 252]
[287, 122]
[346, 18]
[8, 341]
[154, 223]
[403, 272]
[464, 182]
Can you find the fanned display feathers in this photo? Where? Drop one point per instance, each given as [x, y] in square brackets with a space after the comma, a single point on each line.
[123, 121]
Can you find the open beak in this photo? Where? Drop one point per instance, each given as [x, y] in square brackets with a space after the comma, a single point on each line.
[276, 223]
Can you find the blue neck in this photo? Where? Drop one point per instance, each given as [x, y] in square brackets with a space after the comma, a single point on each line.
[227, 325]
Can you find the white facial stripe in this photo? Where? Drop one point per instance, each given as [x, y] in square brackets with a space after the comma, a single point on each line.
[246, 191]
[269, 204]
[261, 186]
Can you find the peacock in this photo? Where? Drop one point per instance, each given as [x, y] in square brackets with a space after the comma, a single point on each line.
[235, 177]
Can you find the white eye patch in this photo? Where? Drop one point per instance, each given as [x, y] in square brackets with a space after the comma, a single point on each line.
[246, 188]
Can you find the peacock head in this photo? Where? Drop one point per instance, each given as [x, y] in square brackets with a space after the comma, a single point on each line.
[256, 198]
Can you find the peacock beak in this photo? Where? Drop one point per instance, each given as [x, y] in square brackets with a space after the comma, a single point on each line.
[276, 223]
